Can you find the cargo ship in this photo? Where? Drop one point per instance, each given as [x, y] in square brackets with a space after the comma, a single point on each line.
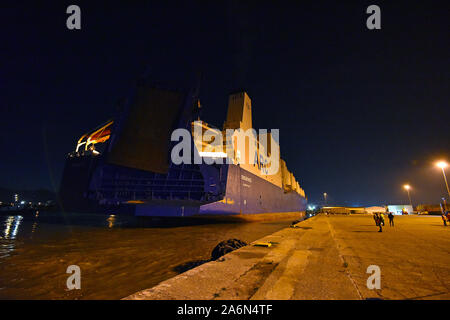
[125, 166]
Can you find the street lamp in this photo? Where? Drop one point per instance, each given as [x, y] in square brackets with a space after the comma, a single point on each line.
[407, 187]
[443, 165]
[325, 197]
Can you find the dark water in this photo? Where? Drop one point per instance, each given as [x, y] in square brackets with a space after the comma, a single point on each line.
[117, 255]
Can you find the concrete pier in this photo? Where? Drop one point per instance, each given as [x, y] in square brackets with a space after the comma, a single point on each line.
[326, 257]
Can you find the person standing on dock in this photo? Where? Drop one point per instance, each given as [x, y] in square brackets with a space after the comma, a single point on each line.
[391, 219]
[377, 218]
[382, 219]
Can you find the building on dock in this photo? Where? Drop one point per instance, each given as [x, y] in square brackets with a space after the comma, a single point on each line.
[399, 209]
[343, 210]
[354, 210]
[376, 209]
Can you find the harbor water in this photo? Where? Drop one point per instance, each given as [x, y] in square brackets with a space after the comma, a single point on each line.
[117, 255]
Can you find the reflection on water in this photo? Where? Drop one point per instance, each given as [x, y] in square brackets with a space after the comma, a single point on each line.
[12, 225]
[118, 255]
[111, 219]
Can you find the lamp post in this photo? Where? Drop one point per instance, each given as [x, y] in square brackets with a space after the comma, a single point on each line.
[407, 187]
[325, 197]
[443, 165]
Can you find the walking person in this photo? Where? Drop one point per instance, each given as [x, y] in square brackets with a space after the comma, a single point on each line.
[382, 218]
[377, 218]
[391, 219]
[444, 219]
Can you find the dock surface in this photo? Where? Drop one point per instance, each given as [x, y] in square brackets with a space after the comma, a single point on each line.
[326, 257]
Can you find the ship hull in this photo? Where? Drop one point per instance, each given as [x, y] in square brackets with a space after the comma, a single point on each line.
[247, 197]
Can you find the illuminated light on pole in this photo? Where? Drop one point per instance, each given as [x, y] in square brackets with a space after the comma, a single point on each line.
[325, 197]
[407, 187]
[443, 165]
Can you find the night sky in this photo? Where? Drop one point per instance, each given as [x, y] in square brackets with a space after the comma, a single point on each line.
[360, 112]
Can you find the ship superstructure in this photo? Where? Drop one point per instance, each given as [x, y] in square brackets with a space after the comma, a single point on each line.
[125, 164]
